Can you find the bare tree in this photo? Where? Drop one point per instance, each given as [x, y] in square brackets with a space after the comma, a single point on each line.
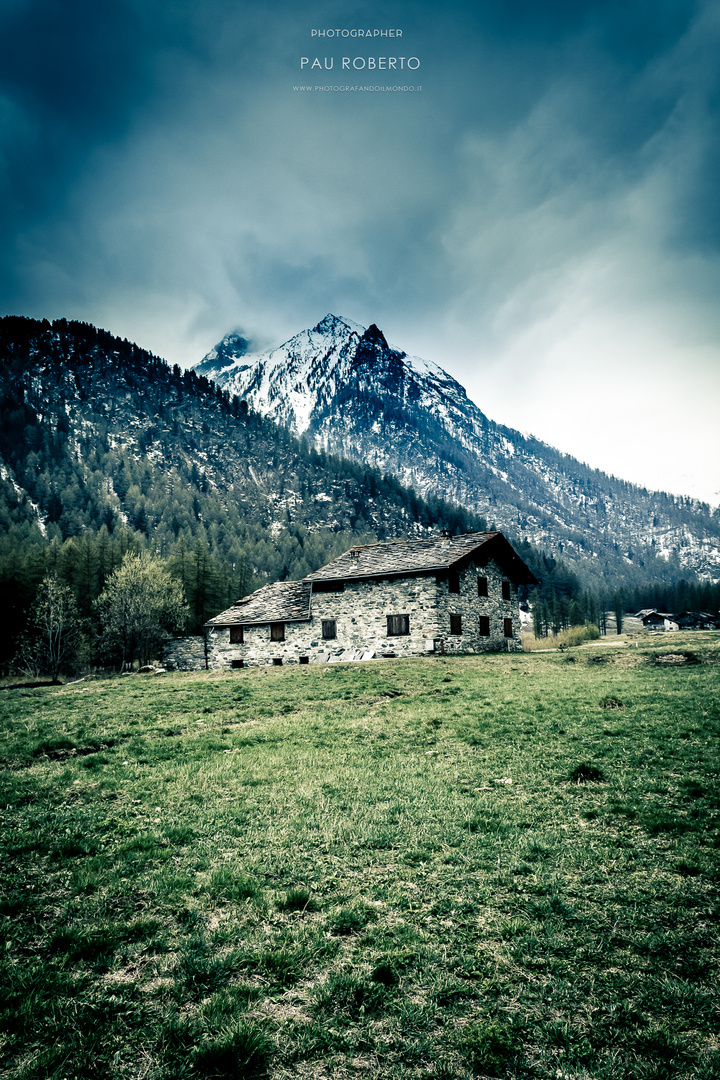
[54, 630]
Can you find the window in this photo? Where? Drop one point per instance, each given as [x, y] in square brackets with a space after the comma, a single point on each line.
[454, 581]
[456, 624]
[482, 586]
[329, 628]
[277, 661]
[277, 631]
[484, 626]
[328, 586]
[237, 663]
[236, 635]
[506, 590]
[398, 624]
[304, 659]
[508, 627]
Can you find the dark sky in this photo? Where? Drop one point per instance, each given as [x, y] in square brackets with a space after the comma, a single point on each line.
[539, 214]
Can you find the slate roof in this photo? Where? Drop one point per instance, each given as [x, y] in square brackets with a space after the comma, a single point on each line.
[284, 601]
[425, 556]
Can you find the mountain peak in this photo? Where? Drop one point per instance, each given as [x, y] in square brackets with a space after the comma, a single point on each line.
[375, 336]
[225, 355]
[332, 323]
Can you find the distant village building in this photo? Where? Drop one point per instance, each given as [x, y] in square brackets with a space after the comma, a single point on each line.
[686, 620]
[447, 594]
[695, 620]
[656, 620]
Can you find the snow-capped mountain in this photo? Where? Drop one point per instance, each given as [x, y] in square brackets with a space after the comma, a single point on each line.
[352, 394]
[298, 383]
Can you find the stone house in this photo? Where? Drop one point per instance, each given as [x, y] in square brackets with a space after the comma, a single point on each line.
[442, 595]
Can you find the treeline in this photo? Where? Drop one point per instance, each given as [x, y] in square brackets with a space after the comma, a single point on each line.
[210, 580]
[85, 563]
[561, 602]
[674, 597]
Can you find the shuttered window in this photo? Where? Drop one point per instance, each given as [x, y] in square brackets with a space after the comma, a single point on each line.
[398, 624]
[482, 586]
[277, 631]
[236, 635]
[329, 628]
[484, 626]
[456, 624]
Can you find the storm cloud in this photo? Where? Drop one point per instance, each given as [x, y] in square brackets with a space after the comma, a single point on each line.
[541, 218]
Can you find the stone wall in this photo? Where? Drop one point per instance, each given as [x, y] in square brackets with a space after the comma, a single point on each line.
[470, 606]
[360, 612]
[184, 654]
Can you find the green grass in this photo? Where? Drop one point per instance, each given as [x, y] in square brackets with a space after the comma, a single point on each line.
[497, 866]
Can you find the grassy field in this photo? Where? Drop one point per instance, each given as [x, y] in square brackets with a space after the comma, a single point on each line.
[501, 866]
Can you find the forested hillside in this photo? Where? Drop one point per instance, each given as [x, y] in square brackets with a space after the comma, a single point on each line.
[349, 392]
[104, 449]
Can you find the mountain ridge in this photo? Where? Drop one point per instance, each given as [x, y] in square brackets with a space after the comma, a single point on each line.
[349, 392]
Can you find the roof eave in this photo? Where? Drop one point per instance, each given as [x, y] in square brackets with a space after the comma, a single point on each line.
[214, 625]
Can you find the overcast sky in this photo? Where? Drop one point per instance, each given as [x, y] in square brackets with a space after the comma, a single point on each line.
[540, 215]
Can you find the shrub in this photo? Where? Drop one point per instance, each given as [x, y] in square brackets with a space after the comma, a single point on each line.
[566, 639]
[576, 635]
[385, 974]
